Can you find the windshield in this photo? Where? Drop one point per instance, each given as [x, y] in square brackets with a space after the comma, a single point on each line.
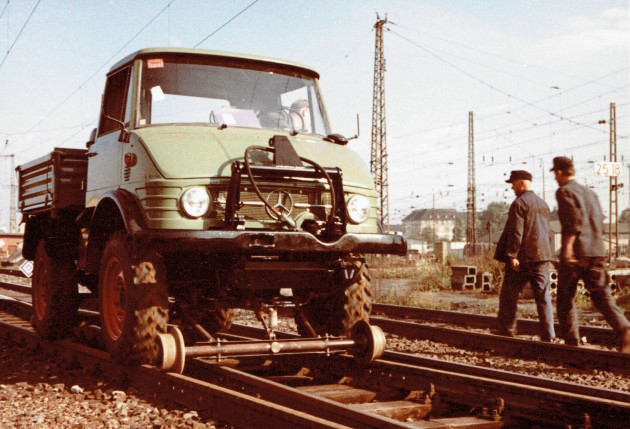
[185, 90]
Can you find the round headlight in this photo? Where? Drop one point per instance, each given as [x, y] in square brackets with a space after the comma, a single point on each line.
[195, 202]
[358, 208]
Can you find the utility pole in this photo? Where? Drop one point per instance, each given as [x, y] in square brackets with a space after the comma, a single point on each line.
[378, 156]
[13, 205]
[542, 165]
[613, 208]
[12, 197]
[433, 219]
[471, 209]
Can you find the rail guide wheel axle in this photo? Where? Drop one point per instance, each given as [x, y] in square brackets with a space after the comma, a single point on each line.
[172, 350]
[366, 343]
[369, 342]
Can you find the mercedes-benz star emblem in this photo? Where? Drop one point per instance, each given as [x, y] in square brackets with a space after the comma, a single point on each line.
[281, 201]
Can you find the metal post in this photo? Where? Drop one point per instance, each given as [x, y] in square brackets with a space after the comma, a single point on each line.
[378, 156]
[613, 207]
[471, 209]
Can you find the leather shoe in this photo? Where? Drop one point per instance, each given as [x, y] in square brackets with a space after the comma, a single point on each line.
[625, 341]
[503, 332]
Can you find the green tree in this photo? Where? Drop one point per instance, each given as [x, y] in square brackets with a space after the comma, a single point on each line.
[496, 214]
[459, 231]
[426, 234]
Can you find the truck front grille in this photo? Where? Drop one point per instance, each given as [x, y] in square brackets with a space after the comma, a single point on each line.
[252, 208]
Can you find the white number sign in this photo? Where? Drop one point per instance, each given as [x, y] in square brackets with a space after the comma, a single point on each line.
[608, 169]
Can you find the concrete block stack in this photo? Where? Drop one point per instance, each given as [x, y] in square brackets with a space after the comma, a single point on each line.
[614, 283]
[484, 281]
[553, 283]
[463, 277]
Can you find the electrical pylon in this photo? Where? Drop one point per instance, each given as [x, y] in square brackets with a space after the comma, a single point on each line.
[471, 206]
[378, 156]
[613, 240]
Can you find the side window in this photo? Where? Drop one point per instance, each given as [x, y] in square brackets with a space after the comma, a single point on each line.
[116, 103]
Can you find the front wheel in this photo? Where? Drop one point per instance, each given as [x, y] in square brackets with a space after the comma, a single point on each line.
[338, 310]
[133, 297]
[55, 295]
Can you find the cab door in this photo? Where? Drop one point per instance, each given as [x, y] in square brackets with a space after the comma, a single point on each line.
[105, 154]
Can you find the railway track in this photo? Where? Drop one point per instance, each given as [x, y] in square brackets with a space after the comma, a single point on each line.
[594, 335]
[596, 358]
[397, 391]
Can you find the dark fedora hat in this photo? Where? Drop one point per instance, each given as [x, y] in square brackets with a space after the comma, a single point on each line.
[561, 163]
[519, 175]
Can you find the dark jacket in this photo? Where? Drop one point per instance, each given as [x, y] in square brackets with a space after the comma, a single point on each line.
[581, 215]
[526, 232]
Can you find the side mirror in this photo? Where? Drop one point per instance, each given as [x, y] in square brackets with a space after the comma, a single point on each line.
[92, 139]
[339, 139]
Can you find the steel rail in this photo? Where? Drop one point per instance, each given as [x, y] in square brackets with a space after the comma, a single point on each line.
[227, 398]
[521, 397]
[225, 405]
[595, 335]
[516, 347]
[525, 397]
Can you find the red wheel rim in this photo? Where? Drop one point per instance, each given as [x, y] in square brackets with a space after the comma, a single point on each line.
[113, 300]
[39, 290]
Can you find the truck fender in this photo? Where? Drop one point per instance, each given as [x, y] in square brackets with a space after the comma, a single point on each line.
[117, 210]
[32, 234]
[60, 234]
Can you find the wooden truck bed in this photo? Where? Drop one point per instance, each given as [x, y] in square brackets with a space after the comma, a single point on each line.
[54, 181]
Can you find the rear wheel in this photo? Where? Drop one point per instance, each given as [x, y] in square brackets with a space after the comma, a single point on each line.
[133, 297]
[336, 312]
[55, 295]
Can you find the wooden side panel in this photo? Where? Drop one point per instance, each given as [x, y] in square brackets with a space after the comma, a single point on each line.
[54, 181]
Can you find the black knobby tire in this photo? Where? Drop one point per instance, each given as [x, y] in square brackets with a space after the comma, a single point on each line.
[55, 295]
[358, 297]
[337, 311]
[219, 320]
[133, 298]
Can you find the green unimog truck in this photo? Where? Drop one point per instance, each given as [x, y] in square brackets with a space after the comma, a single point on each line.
[213, 182]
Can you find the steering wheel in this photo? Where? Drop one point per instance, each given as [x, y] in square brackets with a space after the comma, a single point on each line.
[288, 115]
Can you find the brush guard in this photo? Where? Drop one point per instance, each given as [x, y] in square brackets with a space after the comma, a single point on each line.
[287, 167]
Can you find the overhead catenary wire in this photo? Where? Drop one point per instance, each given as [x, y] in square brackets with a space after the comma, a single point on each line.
[19, 34]
[94, 74]
[113, 56]
[483, 82]
[226, 23]
[4, 9]
[492, 54]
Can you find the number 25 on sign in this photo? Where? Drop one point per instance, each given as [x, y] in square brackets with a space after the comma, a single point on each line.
[608, 169]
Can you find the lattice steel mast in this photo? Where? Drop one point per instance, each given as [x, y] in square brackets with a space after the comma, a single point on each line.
[378, 156]
[613, 240]
[471, 206]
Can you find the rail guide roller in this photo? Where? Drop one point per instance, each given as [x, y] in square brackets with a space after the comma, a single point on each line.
[366, 343]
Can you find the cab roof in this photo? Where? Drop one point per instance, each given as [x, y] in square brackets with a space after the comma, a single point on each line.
[218, 54]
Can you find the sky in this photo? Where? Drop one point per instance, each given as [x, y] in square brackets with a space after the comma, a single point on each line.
[538, 76]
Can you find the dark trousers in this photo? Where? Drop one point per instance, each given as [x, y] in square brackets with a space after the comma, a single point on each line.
[537, 275]
[593, 272]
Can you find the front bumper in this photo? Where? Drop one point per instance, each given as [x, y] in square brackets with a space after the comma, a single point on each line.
[268, 243]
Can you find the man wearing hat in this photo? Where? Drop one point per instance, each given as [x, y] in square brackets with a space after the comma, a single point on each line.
[583, 255]
[525, 248]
